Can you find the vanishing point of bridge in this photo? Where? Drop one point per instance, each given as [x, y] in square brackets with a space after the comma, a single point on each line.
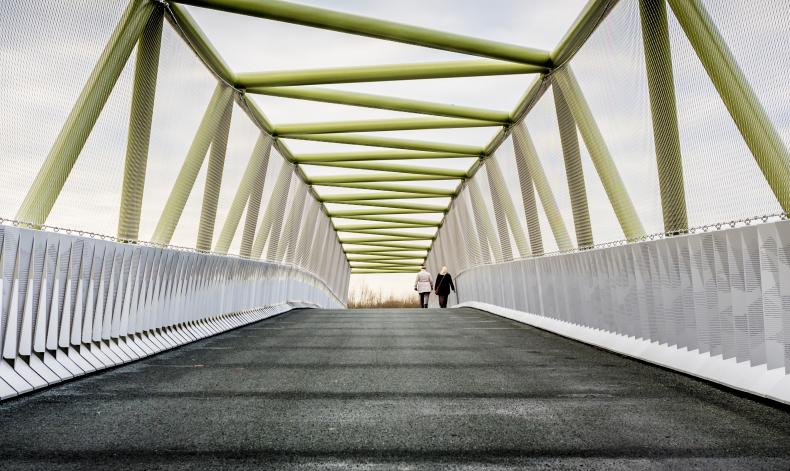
[176, 251]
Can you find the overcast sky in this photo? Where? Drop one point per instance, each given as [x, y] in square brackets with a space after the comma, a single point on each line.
[47, 51]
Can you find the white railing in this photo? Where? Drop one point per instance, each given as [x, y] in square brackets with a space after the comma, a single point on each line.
[714, 304]
[70, 305]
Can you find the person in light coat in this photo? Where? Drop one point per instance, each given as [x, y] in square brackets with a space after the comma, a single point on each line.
[423, 285]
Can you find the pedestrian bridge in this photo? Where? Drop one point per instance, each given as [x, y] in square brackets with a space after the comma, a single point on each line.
[613, 209]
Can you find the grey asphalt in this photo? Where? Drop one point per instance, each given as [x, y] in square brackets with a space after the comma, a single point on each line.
[390, 389]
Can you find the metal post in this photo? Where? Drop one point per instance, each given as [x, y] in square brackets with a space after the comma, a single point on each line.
[658, 61]
[67, 147]
[574, 172]
[748, 114]
[525, 149]
[287, 251]
[248, 194]
[216, 166]
[599, 153]
[483, 223]
[191, 166]
[497, 182]
[142, 109]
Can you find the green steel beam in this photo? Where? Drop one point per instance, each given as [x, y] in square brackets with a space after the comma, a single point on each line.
[660, 83]
[330, 180]
[386, 167]
[373, 141]
[758, 132]
[216, 167]
[374, 125]
[248, 194]
[399, 220]
[375, 28]
[342, 97]
[381, 271]
[389, 261]
[146, 69]
[384, 253]
[274, 209]
[55, 170]
[359, 213]
[385, 264]
[529, 202]
[389, 251]
[497, 182]
[364, 227]
[599, 153]
[400, 205]
[394, 187]
[391, 244]
[373, 240]
[525, 149]
[376, 155]
[182, 187]
[382, 73]
[200, 43]
[391, 232]
[581, 29]
[574, 172]
[360, 197]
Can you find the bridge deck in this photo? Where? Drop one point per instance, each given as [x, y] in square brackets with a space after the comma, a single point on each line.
[423, 387]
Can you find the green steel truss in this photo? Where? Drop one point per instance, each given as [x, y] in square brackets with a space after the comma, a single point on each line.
[386, 232]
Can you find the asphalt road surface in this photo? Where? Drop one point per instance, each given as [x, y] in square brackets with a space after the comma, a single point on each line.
[390, 389]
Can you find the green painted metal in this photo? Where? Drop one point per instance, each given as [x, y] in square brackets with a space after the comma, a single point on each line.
[485, 229]
[574, 172]
[383, 102]
[599, 153]
[199, 42]
[55, 170]
[287, 248]
[400, 205]
[389, 251]
[393, 245]
[399, 220]
[275, 206]
[364, 197]
[758, 132]
[395, 187]
[498, 185]
[666, 136]
[185, 180]
[248, 194]
[365, 227]
[373, 141]
[394, 233]
[381, 73]
[216, 166]
[525, 149]
[376, 28]
[142, 110]
[380, 272]
[403, 124]
[376, 155]
[530, 204]
[331, 180]
[581, 29]
[358, 213]
[387, 167]
[373, 240]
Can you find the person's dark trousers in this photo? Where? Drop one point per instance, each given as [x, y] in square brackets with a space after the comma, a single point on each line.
[443, 300]
[424, 299]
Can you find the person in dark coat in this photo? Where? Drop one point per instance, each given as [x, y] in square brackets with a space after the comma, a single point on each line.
[444, 283]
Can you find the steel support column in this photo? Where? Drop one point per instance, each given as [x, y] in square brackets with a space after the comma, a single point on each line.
[525, 149]
[599, 153]
[63, 155]
[485, 229]
[574, 172]
[497, 183]
[758, 132]
[146, 69]
[660, 83]
[191, 166]
[276, 206]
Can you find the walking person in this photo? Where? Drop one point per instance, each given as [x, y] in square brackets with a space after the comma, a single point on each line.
[423, 285]
[444, 283]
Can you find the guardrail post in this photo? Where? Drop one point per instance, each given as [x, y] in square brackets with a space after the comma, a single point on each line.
[658, 61]
[758, 132]
[52, 175]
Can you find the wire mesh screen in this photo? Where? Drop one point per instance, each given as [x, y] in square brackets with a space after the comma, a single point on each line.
[209, 179]
[592, 161]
